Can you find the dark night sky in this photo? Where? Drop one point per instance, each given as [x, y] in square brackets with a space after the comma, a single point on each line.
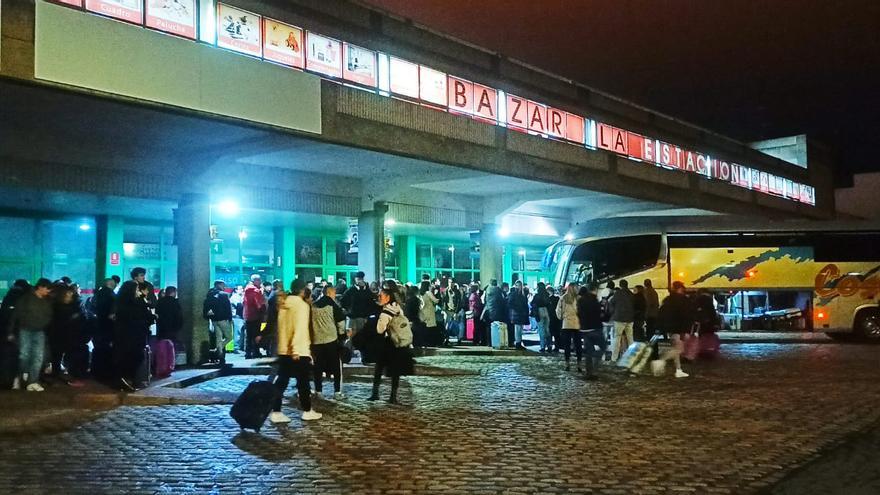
[748, 69]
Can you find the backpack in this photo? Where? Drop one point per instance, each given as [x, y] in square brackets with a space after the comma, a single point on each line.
[399, 330]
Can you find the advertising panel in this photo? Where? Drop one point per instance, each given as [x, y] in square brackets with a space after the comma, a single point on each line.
[404, 78]
[239, 30]
[323, 55]
[72, 3]
[359, 65]
[176, 17]
[461, 95]
[432, 86]
[124, 10]
[485, 103]
[283, 43]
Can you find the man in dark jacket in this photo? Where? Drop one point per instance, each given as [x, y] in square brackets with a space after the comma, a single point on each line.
[555, 322]
[359, 302]
[8, 350]
[27, 326]
[519, 312]
[218, 310]
[169, 316]
[676, 317]
[589, 311]
[268, 338]
[622, 314]
[495, 310]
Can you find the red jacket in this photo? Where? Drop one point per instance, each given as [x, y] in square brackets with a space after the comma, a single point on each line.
[254, 303]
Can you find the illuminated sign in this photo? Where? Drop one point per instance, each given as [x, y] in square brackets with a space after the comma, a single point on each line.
[323, 55]
[239, 30]
[125, 10]
[404, 78]
[283, 43]
[432, 86]
[360, 65]
[249, 33]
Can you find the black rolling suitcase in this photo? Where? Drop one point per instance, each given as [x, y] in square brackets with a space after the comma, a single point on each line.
[254, 405]
[144, 373]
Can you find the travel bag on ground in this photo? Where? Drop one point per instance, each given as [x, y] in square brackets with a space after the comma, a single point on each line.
[691, 347]
[710, 344]
[636, 357]
[144, 374]
[253, 406]
[469, 330]
[499, 335]
[164, 357]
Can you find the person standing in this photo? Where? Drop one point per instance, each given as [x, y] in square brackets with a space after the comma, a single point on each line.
[495, 310]
[541, 310]
[28, 325]
[328, 322]
[622, 314]
[267, 338]
[412, 307]
[169, 315]
[133, 320]
[590, 319]
[359, 303]
[65, 334]
[236, 299]
[428, 313]
[218, 310]
[518, 303]
[475, 307]
[652, 307]
[555, 322]
[639, 308]
[294, 353]
[452, 305]
[393, 361]
[567, 312]
[676, 318]
[254, 303]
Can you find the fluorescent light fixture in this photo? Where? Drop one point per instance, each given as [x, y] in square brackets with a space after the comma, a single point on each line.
[522, 252]
[389, 222]
[242, 234]
[85, 227]
[503, 232]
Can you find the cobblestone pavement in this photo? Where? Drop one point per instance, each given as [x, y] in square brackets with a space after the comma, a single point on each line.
[520, 425]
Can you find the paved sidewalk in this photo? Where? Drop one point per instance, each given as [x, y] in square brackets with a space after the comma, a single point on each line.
[514, 425]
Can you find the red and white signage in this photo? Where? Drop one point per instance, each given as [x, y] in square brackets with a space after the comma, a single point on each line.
[323, 55]
[72, 3]
[461, 95]
[114, 258]
[124, 10]
[283, 44]
[359, 65]
[485, 103]
[611, 139]
[432, 86]
[176, 17]
[239, 30]
[517, 111]
[404, 78]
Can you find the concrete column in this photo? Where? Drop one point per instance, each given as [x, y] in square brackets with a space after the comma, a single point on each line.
[285, 253]
[191, 233]
[507, 254]
[108, 249]
[371, 242]
[491, 254]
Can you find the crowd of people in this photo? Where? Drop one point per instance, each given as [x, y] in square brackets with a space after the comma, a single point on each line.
[57, 333]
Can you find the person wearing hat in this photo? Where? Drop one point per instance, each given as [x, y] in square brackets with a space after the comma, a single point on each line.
[359, 303]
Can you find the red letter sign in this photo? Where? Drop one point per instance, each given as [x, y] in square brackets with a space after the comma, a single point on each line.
[555, 122]
[574, 128]
[485, 102]
[537, 117]
[517, 111]
[461, 95]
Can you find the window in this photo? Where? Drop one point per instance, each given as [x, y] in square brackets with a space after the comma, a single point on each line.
[343, 257]
[309, 250]
[607, 259]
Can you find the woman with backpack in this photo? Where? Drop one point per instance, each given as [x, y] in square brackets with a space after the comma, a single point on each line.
[395, 357]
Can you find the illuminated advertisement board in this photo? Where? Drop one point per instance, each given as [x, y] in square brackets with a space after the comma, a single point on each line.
[124, 10]
[323, 55]
[176, 17]
[239, 30]
[432, 86]
[461, 95]
[404, 78]
[485, 103]
[72, 3]
[360, 65]
[283, 43]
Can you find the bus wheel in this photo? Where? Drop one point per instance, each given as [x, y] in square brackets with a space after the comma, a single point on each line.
[868, 324]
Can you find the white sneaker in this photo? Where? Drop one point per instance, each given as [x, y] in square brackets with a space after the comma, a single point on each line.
[35, 387]
[311, 415]
[16, 383]
[339, 396]
[681, 374]
[278, 417]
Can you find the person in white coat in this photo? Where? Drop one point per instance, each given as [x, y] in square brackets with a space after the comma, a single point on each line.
[566, 310]
[294, 352]
[428, 313]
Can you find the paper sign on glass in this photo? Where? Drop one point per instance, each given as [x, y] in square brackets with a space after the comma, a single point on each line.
[283, 43]
[432, 86]
[404, 78]
[173, 17]
[239, 30]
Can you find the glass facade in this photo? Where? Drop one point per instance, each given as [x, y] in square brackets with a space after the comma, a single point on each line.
[438, 259]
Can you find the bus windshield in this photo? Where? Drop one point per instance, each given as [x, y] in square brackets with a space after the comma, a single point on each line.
[607, 259]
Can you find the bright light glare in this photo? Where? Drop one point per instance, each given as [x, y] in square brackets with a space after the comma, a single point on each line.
[228, 208]
[503, 232]
[569, 236]
[242, 234]
[522, 252]
[389, 222]
[85, 227]
[452, 248]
